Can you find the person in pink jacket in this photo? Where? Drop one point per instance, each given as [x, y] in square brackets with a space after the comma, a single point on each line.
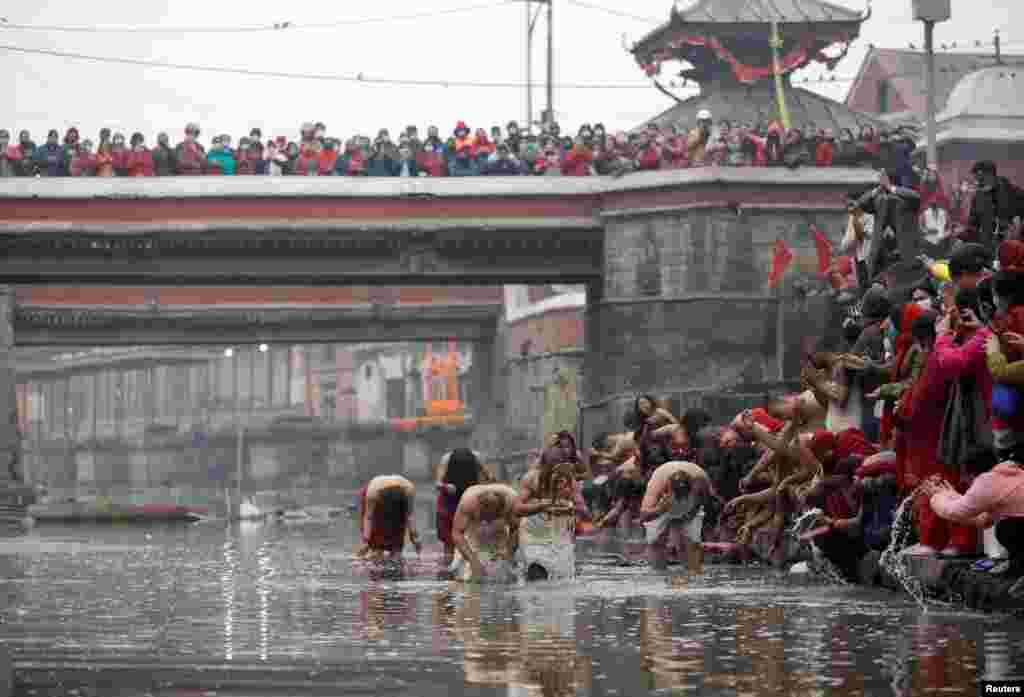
[995, 498]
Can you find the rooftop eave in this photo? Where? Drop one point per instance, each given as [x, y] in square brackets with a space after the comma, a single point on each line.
[677, 21]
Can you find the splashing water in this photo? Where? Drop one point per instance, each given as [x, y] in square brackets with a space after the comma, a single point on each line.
[819, 564]
[893, 559]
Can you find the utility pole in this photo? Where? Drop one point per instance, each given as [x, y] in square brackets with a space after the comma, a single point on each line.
[929, 82]
[529, 66]
[930, 12]
[551, 60]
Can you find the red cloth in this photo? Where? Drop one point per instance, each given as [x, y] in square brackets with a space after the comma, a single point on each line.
[390, 538]
[852, 441]
[765, 419]
[675, 155]
[781, 259]
[120, 158]
[824, 249]
[1011, 256]
[935, 192]
[940, 533]
[325, 165]
[577, 162]
[823, 153]
[649, 158]
[885, 464]
[917, 442]
[432, 163]
[83, 163]
[140, 164]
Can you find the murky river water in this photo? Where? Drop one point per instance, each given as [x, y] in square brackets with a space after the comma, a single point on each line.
[280, 609]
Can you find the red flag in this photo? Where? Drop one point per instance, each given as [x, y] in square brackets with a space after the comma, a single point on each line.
[780, 261]
[824, 248]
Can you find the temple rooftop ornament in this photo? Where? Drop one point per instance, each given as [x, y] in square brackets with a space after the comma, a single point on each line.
[728, 47]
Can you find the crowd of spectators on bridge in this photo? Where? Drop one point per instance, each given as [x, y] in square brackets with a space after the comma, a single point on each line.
[465, 151]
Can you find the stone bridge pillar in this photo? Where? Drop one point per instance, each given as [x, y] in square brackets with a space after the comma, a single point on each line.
[10, 438]
[685, 309]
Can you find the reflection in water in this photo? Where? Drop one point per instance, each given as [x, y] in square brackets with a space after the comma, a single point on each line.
[525, 641]
[277, 598]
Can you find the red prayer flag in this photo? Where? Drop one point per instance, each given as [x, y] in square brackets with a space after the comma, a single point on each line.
[780, 261]
[824, 248]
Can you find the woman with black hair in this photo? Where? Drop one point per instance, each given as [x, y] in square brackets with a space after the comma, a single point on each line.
[460, 470]
[654, 425]
[387, 513]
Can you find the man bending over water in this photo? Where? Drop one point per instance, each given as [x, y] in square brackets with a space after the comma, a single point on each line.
[387, 514]
[487, 525]
[673, 508]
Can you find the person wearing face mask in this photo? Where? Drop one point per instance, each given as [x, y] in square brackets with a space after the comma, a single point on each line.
[83, 164]
[140, 160]
[49, 158]
[10, 156]
[28, 151]
[406, 165]
[431, 160]
[503, 165]
[383, 158]
[189, 155]
[925, 297]
[120, 152]
[1004, 354]
[223, 156]
[513, 138]
[71, 143]
[163, 157]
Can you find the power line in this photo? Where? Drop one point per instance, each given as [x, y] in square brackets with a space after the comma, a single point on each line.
[277, 26]
[615, 13]
[359, 78]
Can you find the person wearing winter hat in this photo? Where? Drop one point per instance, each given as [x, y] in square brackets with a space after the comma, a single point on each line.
[189, 155]
[969, 264]
[50, 159]
[698, 138]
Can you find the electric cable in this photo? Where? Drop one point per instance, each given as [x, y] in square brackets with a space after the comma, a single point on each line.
[277, 26]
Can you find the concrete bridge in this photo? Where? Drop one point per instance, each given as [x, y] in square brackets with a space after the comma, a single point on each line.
[674, 263]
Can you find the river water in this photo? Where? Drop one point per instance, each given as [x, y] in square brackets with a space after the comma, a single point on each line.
[281, 609]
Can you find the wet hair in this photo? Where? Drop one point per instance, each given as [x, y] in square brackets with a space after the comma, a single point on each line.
[851, 331]
[392, 508]
[681, 486]
[968, 299]
[600, 441]
[980, 460]
[1009, 285]
[630, 421]
[693, 421]
[627, 488]
[923, 327]
[463, 470]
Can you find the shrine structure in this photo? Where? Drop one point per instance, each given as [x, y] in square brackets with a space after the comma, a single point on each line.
[743, 53]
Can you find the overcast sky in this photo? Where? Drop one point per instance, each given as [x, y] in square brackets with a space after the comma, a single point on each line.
[480, 45]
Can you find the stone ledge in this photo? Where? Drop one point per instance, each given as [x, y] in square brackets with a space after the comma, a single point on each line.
[136, 188]
[955, 580]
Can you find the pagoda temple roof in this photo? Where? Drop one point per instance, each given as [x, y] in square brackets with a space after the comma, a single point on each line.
[717, 16]
[756, 104]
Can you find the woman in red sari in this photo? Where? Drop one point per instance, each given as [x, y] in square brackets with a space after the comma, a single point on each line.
[919, 419]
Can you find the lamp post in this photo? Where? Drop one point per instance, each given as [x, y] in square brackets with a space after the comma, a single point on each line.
[531, 23]
[930, 12]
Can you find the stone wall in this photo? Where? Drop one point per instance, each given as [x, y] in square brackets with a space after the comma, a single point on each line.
[687, 308]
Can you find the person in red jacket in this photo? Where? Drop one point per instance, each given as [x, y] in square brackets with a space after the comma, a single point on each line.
[120, 152]
[190, 156]
[431, 160]
[824, 151]
[578, 161]
[83, 163]
[648, 153]
[139, 161]
[674, 154]
[328, 158]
